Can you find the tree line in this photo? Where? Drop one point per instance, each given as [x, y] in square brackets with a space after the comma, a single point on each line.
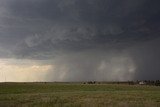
[144, 82]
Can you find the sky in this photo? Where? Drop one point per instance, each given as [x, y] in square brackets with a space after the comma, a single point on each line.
[79, 40]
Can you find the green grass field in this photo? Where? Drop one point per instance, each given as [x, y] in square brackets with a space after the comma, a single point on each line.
[78, 95]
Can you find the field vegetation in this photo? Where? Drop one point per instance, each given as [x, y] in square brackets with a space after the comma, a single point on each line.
[78, 95]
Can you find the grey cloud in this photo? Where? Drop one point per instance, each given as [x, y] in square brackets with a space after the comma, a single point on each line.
[146, 57]
[83, 31]
[90, 65]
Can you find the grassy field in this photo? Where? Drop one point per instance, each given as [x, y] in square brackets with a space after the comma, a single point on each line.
[78, 95]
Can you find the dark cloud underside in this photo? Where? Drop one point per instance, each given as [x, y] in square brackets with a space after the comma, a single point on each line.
[91, 29]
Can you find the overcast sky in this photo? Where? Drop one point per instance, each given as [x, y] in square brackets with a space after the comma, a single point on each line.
[79, 40]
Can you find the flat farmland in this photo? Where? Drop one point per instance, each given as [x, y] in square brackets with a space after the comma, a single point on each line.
[78, 95]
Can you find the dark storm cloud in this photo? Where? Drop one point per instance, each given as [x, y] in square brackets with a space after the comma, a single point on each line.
[48, 29]
[146, 56]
